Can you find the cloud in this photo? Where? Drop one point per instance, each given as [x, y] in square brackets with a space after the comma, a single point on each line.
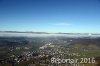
[63, 24]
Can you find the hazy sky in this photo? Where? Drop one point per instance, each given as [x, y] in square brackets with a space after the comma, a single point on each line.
[82, 16]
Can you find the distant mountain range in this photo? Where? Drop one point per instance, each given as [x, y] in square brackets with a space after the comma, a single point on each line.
[49, 33]
[25, 32]
[46, 34]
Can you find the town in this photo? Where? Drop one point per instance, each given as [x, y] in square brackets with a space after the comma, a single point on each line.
[40, 52]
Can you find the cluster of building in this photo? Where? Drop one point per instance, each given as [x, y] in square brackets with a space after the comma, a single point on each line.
[42, 56]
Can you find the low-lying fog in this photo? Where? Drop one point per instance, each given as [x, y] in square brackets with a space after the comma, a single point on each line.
[8, 34]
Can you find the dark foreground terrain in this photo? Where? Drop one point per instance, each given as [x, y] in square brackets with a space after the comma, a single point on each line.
[38, 51]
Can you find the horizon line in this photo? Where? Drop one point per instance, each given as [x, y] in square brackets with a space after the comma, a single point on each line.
[50, 32]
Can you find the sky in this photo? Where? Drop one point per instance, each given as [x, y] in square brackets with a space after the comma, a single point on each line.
[68, 16]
